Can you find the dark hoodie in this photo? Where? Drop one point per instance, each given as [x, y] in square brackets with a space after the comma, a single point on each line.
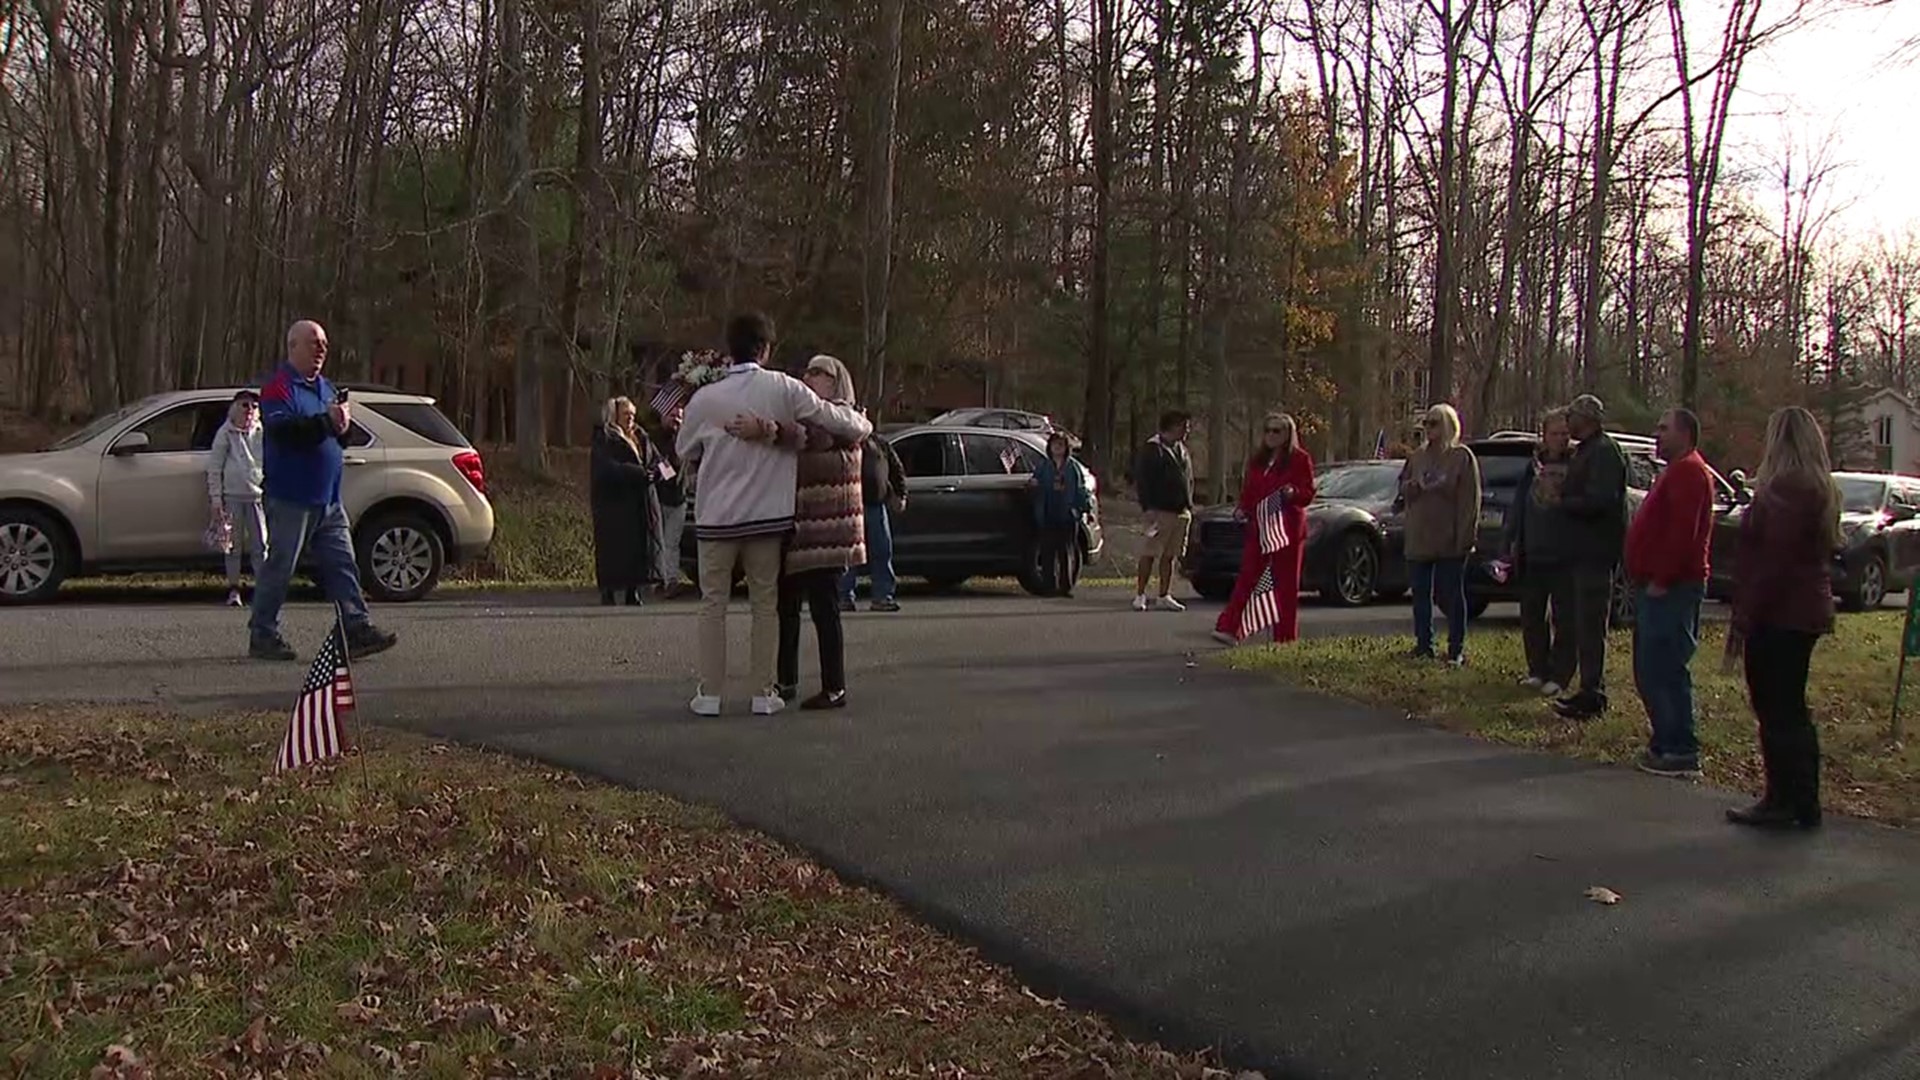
[1785, 555]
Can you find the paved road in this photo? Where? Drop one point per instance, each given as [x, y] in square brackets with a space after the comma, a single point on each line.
[1321, 889]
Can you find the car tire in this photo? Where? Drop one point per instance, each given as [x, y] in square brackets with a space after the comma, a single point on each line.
[1620, 611]
[1477, 606]
[401, 557]
[947, 582]
[1216, 589]
[1356, 567]
[34, 556]
[1870, 587]
[1034, 582]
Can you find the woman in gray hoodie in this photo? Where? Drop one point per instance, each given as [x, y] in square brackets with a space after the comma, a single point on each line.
[233, 488]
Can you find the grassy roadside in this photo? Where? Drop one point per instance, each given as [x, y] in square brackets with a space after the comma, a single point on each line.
[1851, 692]
[451, 913]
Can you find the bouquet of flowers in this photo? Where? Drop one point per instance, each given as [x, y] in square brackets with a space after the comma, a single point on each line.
[696, 370]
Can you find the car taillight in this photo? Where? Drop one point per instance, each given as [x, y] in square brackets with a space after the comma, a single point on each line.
[471, 467]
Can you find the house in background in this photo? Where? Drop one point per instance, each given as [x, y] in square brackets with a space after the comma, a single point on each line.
[1892, 442]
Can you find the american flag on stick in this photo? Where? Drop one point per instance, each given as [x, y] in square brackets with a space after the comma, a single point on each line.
[1380, 445]
[1009, 457]
[1263, 608]
[314, 730]
[672, 394]
[1273, 531]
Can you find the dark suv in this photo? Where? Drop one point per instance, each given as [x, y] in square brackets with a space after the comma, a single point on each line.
[1879, 540]
[969, 507]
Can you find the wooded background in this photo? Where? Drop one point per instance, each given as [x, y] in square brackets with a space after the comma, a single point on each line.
[1095, 208]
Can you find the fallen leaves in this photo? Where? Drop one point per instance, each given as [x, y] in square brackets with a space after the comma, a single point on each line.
[1600, 894]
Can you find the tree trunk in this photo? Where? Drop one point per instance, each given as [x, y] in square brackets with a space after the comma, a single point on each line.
[1099, 400]
[876, 279]
[521, 255]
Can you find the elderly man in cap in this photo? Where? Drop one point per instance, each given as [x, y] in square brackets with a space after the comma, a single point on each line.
[1594, 495]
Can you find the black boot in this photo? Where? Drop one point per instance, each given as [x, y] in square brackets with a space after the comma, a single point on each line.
[606, 597]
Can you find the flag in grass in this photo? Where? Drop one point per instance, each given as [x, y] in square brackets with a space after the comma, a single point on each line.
[326, 700]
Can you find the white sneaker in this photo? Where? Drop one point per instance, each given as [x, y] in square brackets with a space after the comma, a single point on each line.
[703, 703]
[1550, 689]
[1532, 682]
[767, 702]
[233, 598]
[1168, 603]
[1140, 602]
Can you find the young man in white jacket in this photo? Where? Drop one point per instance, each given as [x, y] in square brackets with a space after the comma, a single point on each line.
[743, 502]
[233, 487]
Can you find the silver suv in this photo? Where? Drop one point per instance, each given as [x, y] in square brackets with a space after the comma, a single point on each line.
[128, 494]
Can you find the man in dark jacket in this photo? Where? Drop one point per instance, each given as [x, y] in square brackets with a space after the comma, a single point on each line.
[1594, 497]
[883, 487]
[1163, 476]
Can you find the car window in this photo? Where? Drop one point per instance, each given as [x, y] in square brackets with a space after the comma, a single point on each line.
[996, 455]
[1502, 470]
[184, 429]
[423, 420]
[924, 454]
[357, 436]
[1640, 472]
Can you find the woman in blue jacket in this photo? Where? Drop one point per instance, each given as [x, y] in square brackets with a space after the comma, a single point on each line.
[1060, 499]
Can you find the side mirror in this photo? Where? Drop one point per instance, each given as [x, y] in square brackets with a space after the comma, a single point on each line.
[133, 442]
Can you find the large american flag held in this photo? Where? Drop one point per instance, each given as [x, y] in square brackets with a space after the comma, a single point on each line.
[1273, 531]
[313, 732]
[1263, 608]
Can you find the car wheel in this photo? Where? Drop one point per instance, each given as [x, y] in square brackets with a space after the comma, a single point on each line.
[1620, 600]
[1871, 586]
[1213, 588]
[34, 556]
[401, 557]
[946, 582]
[1355, 569]
[1477, 606]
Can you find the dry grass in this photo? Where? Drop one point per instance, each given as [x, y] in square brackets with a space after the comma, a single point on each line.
[439, 912]
[1851, 692]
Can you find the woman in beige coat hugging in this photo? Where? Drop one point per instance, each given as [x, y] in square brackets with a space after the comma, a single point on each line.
[1440, 489]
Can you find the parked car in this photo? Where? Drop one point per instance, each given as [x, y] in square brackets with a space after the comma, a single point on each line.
[969, 507]
[128, 493]
[1879, 532]
[1354, 538]
[1001, 419]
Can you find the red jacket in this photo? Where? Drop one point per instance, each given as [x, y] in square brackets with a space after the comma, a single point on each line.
[1668, 540]
[1263, 480]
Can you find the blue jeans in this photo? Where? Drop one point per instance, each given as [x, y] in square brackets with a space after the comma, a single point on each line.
[879, 557]
[1666, 631]
[1444, 580]
[294, 528]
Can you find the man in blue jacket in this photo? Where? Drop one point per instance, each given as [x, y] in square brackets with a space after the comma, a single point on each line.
[306, 421]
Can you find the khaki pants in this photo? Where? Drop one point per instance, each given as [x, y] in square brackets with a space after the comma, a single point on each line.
[759, 558]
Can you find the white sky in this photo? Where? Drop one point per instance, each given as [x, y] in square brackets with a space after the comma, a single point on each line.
[1840, 77]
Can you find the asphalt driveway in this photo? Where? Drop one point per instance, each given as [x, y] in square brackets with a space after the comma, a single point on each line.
[1323, 890]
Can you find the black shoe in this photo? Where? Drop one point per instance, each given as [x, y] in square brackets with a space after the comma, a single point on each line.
[1768, 815]
[1673, 766]
[633, 598]
[826, 699]
[606, 597]
[367, 639]
[1581, 706]
[271, 648]
[884, 605]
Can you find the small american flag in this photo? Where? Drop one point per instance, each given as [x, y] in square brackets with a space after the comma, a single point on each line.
[1263, 608]
[672, 394]
[313, 732]
[1009, 457]
[1273, 530]
[1380, 445]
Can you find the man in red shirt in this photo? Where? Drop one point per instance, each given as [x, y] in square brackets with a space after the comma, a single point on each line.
[1666, 560]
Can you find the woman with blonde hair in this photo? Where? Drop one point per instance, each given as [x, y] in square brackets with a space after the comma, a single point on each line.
[1782, 603]
[626, 516]
[1281, 466]
[1440, 489]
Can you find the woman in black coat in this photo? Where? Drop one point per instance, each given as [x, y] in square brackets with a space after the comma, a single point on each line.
[626, 515]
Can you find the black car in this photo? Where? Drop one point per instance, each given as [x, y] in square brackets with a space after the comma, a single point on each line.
[1879, 536]
[969, 507]
[1354, 538]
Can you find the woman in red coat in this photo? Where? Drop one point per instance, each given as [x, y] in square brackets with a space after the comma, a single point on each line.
[1280, 465]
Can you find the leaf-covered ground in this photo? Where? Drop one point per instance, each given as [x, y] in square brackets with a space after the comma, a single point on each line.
[165, 910]
[1851, 692]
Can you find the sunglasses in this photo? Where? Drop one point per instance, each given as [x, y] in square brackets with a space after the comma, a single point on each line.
[1279, 431]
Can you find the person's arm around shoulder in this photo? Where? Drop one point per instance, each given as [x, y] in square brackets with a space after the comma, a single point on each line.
[1602, 486]
[843, 422]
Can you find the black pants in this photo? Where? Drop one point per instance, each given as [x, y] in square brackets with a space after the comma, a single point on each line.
[1056, 558]
[1547, 608]
[821, 590]
[1777, 662]
[1592, 591]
